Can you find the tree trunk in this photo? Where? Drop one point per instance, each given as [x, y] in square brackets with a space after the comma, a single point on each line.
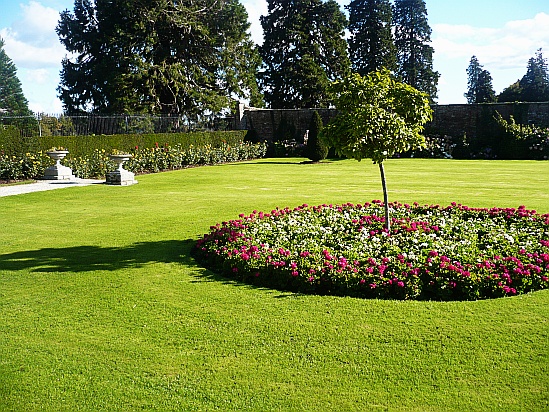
[385, 197]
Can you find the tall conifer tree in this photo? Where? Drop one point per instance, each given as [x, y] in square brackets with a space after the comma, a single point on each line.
[181, 57]
[414, 53]
[533, 86]
[479, 84]
[371, 44]
[12, 99]
[535, 83]
[303, 50]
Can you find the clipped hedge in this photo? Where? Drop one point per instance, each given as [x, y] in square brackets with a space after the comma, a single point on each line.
[145, 160]
[11, 143]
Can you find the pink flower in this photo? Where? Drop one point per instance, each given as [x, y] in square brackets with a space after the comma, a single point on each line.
[400, 284]
[295, 273]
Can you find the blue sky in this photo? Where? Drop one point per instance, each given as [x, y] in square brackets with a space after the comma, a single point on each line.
[503, 34]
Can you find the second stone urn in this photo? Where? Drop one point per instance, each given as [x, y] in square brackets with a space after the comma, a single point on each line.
[120, 176]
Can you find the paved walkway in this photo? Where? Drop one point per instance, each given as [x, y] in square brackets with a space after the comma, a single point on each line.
[11, 190]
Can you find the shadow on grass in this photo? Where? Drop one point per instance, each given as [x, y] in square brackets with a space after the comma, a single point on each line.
[89, 258]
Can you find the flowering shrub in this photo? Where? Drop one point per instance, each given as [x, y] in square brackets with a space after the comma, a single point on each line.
[23, 167]
[431, 252]
[144, 160]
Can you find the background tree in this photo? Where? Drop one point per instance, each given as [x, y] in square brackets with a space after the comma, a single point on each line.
[414, 54]
[377, 118]
[479, 84]
[12, 99]
[513, 93]
[303, 50]
[317, 149]
[371, 45]
[182, 57]
[535, 83]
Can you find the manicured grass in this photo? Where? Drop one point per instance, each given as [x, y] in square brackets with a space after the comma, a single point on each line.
[102, 308]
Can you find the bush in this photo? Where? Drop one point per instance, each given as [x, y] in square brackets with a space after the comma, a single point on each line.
[523, 141]
[317, 149]
[82, 146]
[431, 252]
[145, 160]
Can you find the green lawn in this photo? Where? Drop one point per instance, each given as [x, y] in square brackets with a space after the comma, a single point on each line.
[102, 307]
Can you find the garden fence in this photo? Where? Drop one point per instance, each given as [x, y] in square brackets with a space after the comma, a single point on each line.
[95, 124]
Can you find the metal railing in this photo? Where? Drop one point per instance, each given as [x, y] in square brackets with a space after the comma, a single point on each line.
[94, 124]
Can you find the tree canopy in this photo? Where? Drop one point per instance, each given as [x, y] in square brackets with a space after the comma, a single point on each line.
[371, 45]
[479, 84]
[534, 85]
[412, 41]
[378, 117]
[184, 57]
[303, 50]
[12, 99]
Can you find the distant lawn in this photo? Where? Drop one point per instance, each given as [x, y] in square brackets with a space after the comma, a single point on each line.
[102, 308]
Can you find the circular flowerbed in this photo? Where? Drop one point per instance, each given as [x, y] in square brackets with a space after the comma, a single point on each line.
[431, 252]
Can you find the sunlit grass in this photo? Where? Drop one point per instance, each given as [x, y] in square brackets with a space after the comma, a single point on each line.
[102, 307]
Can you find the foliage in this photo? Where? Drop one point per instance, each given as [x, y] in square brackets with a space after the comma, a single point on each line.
[535, 83]
[371, 45]
[303, 50]
[533, 86]
[317, 149]
[414, 54]
[479, 84]
[524, 141]
[513, 93]
[431, 252]
[287, 148]
[158, 57]
[12, 143]
[12, 99]
[96, 163]
[377, 117]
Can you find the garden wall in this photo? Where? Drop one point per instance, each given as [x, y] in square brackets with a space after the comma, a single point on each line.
[452, 120]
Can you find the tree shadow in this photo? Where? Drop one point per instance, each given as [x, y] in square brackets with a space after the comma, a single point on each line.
[90, 258]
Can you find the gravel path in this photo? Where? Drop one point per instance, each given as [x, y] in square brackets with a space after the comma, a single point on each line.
[12, 190]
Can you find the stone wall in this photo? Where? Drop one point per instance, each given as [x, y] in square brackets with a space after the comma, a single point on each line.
[452, 120]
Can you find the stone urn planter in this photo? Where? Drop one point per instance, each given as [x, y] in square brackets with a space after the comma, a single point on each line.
[120, 176]
[58, 171]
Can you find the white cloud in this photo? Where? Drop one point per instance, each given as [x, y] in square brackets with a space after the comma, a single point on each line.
[39, 76]
[255, 10]
[31, 42]
[508, 47]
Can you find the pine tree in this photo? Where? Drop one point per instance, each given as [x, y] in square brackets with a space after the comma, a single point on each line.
[479, 84]
[303, 50]
[535, 83]
[317, 149]
[371, 45]
[414, 54]
[12, 99]
[182, 57]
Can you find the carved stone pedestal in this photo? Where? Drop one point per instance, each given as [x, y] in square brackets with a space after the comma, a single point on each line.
[120, 176]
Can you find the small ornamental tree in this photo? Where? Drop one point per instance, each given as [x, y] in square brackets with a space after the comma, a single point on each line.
[378, 118]
[317, 149]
